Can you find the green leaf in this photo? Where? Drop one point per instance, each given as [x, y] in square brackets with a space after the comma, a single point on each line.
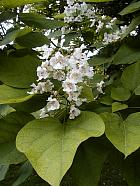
[87, 93]
[39, 21]
[5, 109]
[106, 100]
[32, 40]
[70, 37]
[9, 37]
[13, 95]
[131, 76]
[50, 146]
[22, 75]
[24, 172]
[10, 125]
[116, 106]
[15, 3]
[120, 94]
[124, 135]
[9, 154]
[33, 104]
[131, 8]
[100, 60]
[4, 16]
[88, 163]
[3, 170]
[59, 16]
[126, 54]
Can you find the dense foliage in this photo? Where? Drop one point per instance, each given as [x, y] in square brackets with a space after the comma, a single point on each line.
[70, 89]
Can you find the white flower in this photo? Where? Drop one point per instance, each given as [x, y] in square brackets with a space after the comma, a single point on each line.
[75, 76]
[78, 19]
[100, 86]
[53, 104]
[41, 87]
[59, 75]
[58, 62]
[84, 7]
[99, 26]
[86, 70]
[74, 112]
[45, 51]
[34, 89]
[42, 73]
[70, 2]
[73, 96]
[48, 67]
[69, 86]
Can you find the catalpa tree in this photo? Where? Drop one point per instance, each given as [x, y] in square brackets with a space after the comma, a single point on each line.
[70, 89]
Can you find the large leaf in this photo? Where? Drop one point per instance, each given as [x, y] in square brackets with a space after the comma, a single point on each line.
[124, 135]
[50, 145]
[131, 76]
[13, 95]
[88, 163]
[32, 40]
[15, 3]
[131, 8]
[9, 127]
[39, 21]
[120, 94]
[18, 72]
[126, 55]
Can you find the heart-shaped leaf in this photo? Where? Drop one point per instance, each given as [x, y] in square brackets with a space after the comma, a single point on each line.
[124, 135]
[50, 145]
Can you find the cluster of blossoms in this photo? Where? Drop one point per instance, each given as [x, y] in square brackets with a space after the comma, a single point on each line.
[78, 12]
[115, 36]
[72, 71]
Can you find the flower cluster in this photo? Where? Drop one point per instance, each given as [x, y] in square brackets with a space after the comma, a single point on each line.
[72, 71]
[78, 12]
[115, 36]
